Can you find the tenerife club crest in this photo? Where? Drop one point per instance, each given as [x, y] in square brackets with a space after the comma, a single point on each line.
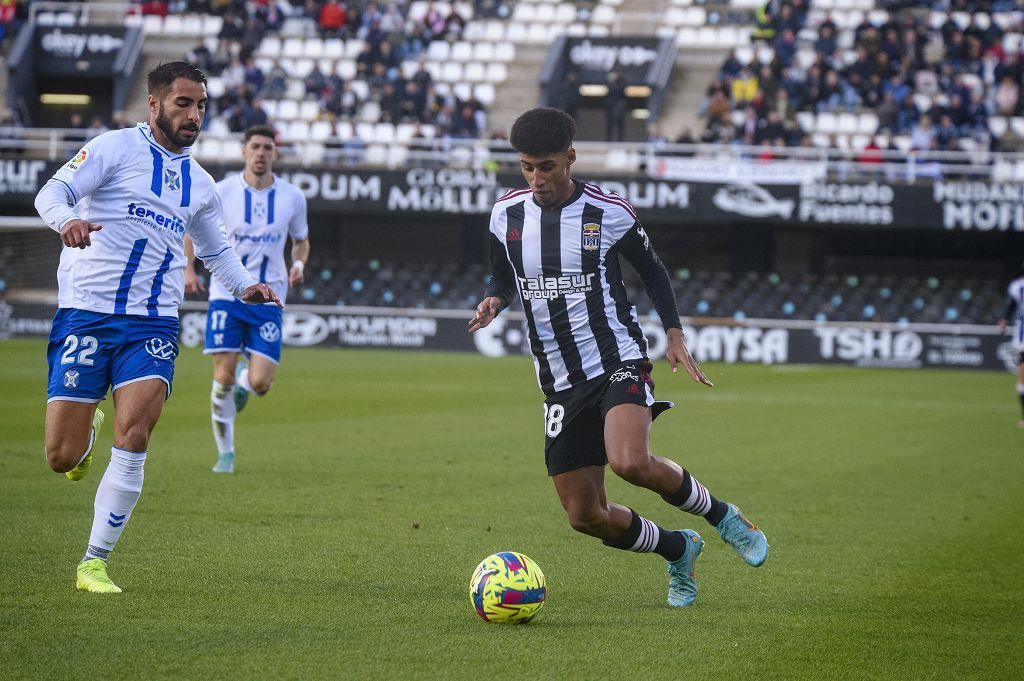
[591, 236]
[71, 377]
[172, 180]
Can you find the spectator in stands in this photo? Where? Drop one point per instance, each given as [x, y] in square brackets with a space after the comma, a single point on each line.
[743, 88]
[314, 83]
[413, 102]
[1007, 97]
[922, 134]
[75, 135]
[254, 77]
[731, 66]
[907, 114]
[570, 94]
[785, 46]
[200, 55]
[332, 19]
[277, 82]
[615, 107]
[827, 41]
[464, 125]
[946, 133]
[96, 128]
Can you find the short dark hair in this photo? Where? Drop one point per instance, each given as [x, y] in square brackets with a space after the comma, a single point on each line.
[160, 78]
[262, 131]
[542, 131]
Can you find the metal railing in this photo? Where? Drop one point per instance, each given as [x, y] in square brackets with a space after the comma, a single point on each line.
[637, 158]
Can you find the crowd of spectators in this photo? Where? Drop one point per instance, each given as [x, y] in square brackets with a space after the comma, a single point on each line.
[937, 83]
[389, 37]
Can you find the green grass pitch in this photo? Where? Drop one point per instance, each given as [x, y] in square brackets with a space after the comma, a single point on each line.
[370, 484]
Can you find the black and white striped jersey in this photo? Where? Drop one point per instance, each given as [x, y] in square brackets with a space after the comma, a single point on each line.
[563, 263]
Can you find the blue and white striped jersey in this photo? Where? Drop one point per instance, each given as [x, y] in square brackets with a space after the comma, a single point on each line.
[146, 199]
[258, 222]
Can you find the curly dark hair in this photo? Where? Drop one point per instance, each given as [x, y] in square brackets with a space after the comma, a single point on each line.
[159, 79]
[542, 131]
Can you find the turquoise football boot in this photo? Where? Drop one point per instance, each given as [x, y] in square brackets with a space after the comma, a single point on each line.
[743, 536]
[682, 573]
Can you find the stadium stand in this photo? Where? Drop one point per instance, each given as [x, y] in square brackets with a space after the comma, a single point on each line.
[855, 76]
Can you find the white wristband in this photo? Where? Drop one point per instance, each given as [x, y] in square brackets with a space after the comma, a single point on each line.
[298, 265]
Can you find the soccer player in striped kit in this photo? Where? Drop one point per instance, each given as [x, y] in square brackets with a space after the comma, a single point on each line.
[262, 212]
[556, 244]
[1015, 311]
[122, 207]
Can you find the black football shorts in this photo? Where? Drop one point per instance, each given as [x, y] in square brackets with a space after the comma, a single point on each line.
[574, 418]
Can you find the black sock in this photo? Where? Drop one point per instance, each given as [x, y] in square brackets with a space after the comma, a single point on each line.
[694, 498]
[643, 536]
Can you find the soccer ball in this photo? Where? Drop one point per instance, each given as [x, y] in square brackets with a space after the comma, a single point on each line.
[507, 587]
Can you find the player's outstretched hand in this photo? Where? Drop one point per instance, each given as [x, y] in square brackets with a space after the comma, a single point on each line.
[677, 353]
[75, 233]
[295, 276]
[260, 293]
[486, 311]
[193, 284]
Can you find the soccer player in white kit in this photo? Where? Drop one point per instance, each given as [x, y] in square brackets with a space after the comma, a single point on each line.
[262, 211]
[1015, 311]
[122, 207]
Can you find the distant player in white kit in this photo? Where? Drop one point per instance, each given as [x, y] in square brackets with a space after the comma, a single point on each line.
[122, 207]
[1015, 311]
[262, 211]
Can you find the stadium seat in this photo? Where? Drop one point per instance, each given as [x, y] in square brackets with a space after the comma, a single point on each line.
[707, 37]
[462, 51]
[494, 31]
[451, 72]
[524, 12]
[462, 91]
[497, 73]
[346, 68]
[215, 87]
[504, 52]
[309, 110]
[398, 154]
[376, 154]
[565, 13]
[270, 106]
[354, 47]
[485, 93]
[383, 133]
[867, 122]
[361, 89]
[847, 123]
[191, 25]
[344, 130]
[997, 125]
[439, 50]
[153, 24]
[603, 14]
[806, 121]
[288, 109]
[516, 32]
[313, 48]
[545, 13]
[1017, 125]
[270, 47]
[370, 112]
[292, 48]
[483, 51]
[827, 123]
[212, 25]
[312, 153]
[474, 72]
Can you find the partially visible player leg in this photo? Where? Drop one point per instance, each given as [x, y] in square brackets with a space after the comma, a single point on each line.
[582, 495]
[70, 432]
[627, 429]
[1020, 386]
[138, 406]
[258, 377]
[222, 410]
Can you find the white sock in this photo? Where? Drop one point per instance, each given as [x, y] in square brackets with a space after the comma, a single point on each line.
[222, 416]
[243, 380]
[116, 496]
[1020, 388]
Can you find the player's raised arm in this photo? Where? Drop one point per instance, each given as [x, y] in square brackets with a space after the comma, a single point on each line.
[58, 199]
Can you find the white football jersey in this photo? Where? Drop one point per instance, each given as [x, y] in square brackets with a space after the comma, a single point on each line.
[1016, 291]
[258, 223]
[146, 199]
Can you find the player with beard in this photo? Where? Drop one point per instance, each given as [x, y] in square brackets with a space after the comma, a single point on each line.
[122, 207]
[262, 212]
[556, 244]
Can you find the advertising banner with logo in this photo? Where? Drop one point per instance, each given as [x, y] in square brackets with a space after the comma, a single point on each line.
[78, 50]
[756, 341]
[594, 58]
[944, 205]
